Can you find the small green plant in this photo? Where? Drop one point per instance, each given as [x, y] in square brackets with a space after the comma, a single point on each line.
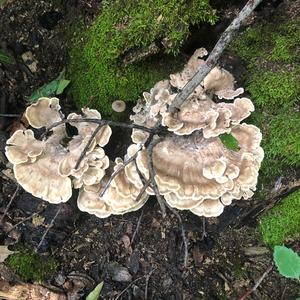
[97, 70]
[287, 262]
[30, 266]
[55, 87]
[282, 222]
[95, 293]
[4, 57]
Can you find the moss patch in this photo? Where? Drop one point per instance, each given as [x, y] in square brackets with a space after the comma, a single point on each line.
[96, 67]
[282, 222]
[30, 266]
[271, 52]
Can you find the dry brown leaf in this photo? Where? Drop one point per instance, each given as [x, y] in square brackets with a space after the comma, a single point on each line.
[4, 253]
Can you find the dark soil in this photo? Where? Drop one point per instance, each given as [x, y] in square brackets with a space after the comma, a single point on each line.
[223, 264]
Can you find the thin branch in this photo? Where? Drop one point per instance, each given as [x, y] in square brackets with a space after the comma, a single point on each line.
[215, 54]
[152, 174]
[257, 284]
[147, 283]
[137, 227]
[10, 115]
[100, 122]
[25, 220]
[48, 228]
[10, 203]
[86, 148]
[118, 171]
[184, 238]
[129, 286]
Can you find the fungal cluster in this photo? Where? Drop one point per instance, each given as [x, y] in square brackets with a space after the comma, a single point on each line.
[194, 169]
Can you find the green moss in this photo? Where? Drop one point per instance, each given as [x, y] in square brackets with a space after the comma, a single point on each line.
[282, 222]
[30, 266]
[96, 67]
[271, 52]
[274, 90]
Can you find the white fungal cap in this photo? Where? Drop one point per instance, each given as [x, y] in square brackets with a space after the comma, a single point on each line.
[43, 113]
[41, 178]
[22, 147]
[86, 129]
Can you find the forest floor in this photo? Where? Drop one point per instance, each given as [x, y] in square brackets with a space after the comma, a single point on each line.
[141, 252]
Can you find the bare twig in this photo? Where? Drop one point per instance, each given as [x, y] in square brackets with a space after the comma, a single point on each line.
[152, 173]
[129, 286]
[137, 227]
[184, 238]
[118, 171]
[25, 220]
[257, 284]
[48, 228]
[147, 283]
[204, 233]
[102, 123]
[215, 54]
[86, 148]
[9, 115]
[10, 202]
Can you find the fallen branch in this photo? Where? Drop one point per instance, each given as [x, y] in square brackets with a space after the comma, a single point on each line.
[137, 227]
[118, 171]
[48, 228]
[152, 175]
[257, 284]
[184, 238]
[10, 203]
[215, 54]
[86, 148]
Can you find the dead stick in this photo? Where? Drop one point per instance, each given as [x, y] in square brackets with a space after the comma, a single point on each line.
[137, 227]
[101, 122]
[185, 241]
[9, 203]
[118, 171]
[24, 220]
[86, 148]
[48, 228]
[257, 284]
[215, 54]
[147, 283]
[152, 174]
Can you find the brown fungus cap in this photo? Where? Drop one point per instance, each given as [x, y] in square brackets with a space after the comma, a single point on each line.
[193, 171]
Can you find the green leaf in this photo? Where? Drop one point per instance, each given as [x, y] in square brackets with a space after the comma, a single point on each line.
[55, 87]
[287, 262]
[95, 293]
[62, 85]
[229, 141]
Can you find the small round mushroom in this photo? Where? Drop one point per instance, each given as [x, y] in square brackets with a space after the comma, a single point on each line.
[118, 106]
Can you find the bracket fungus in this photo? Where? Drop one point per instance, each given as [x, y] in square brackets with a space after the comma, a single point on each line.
[192, 166]
[47, 168]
